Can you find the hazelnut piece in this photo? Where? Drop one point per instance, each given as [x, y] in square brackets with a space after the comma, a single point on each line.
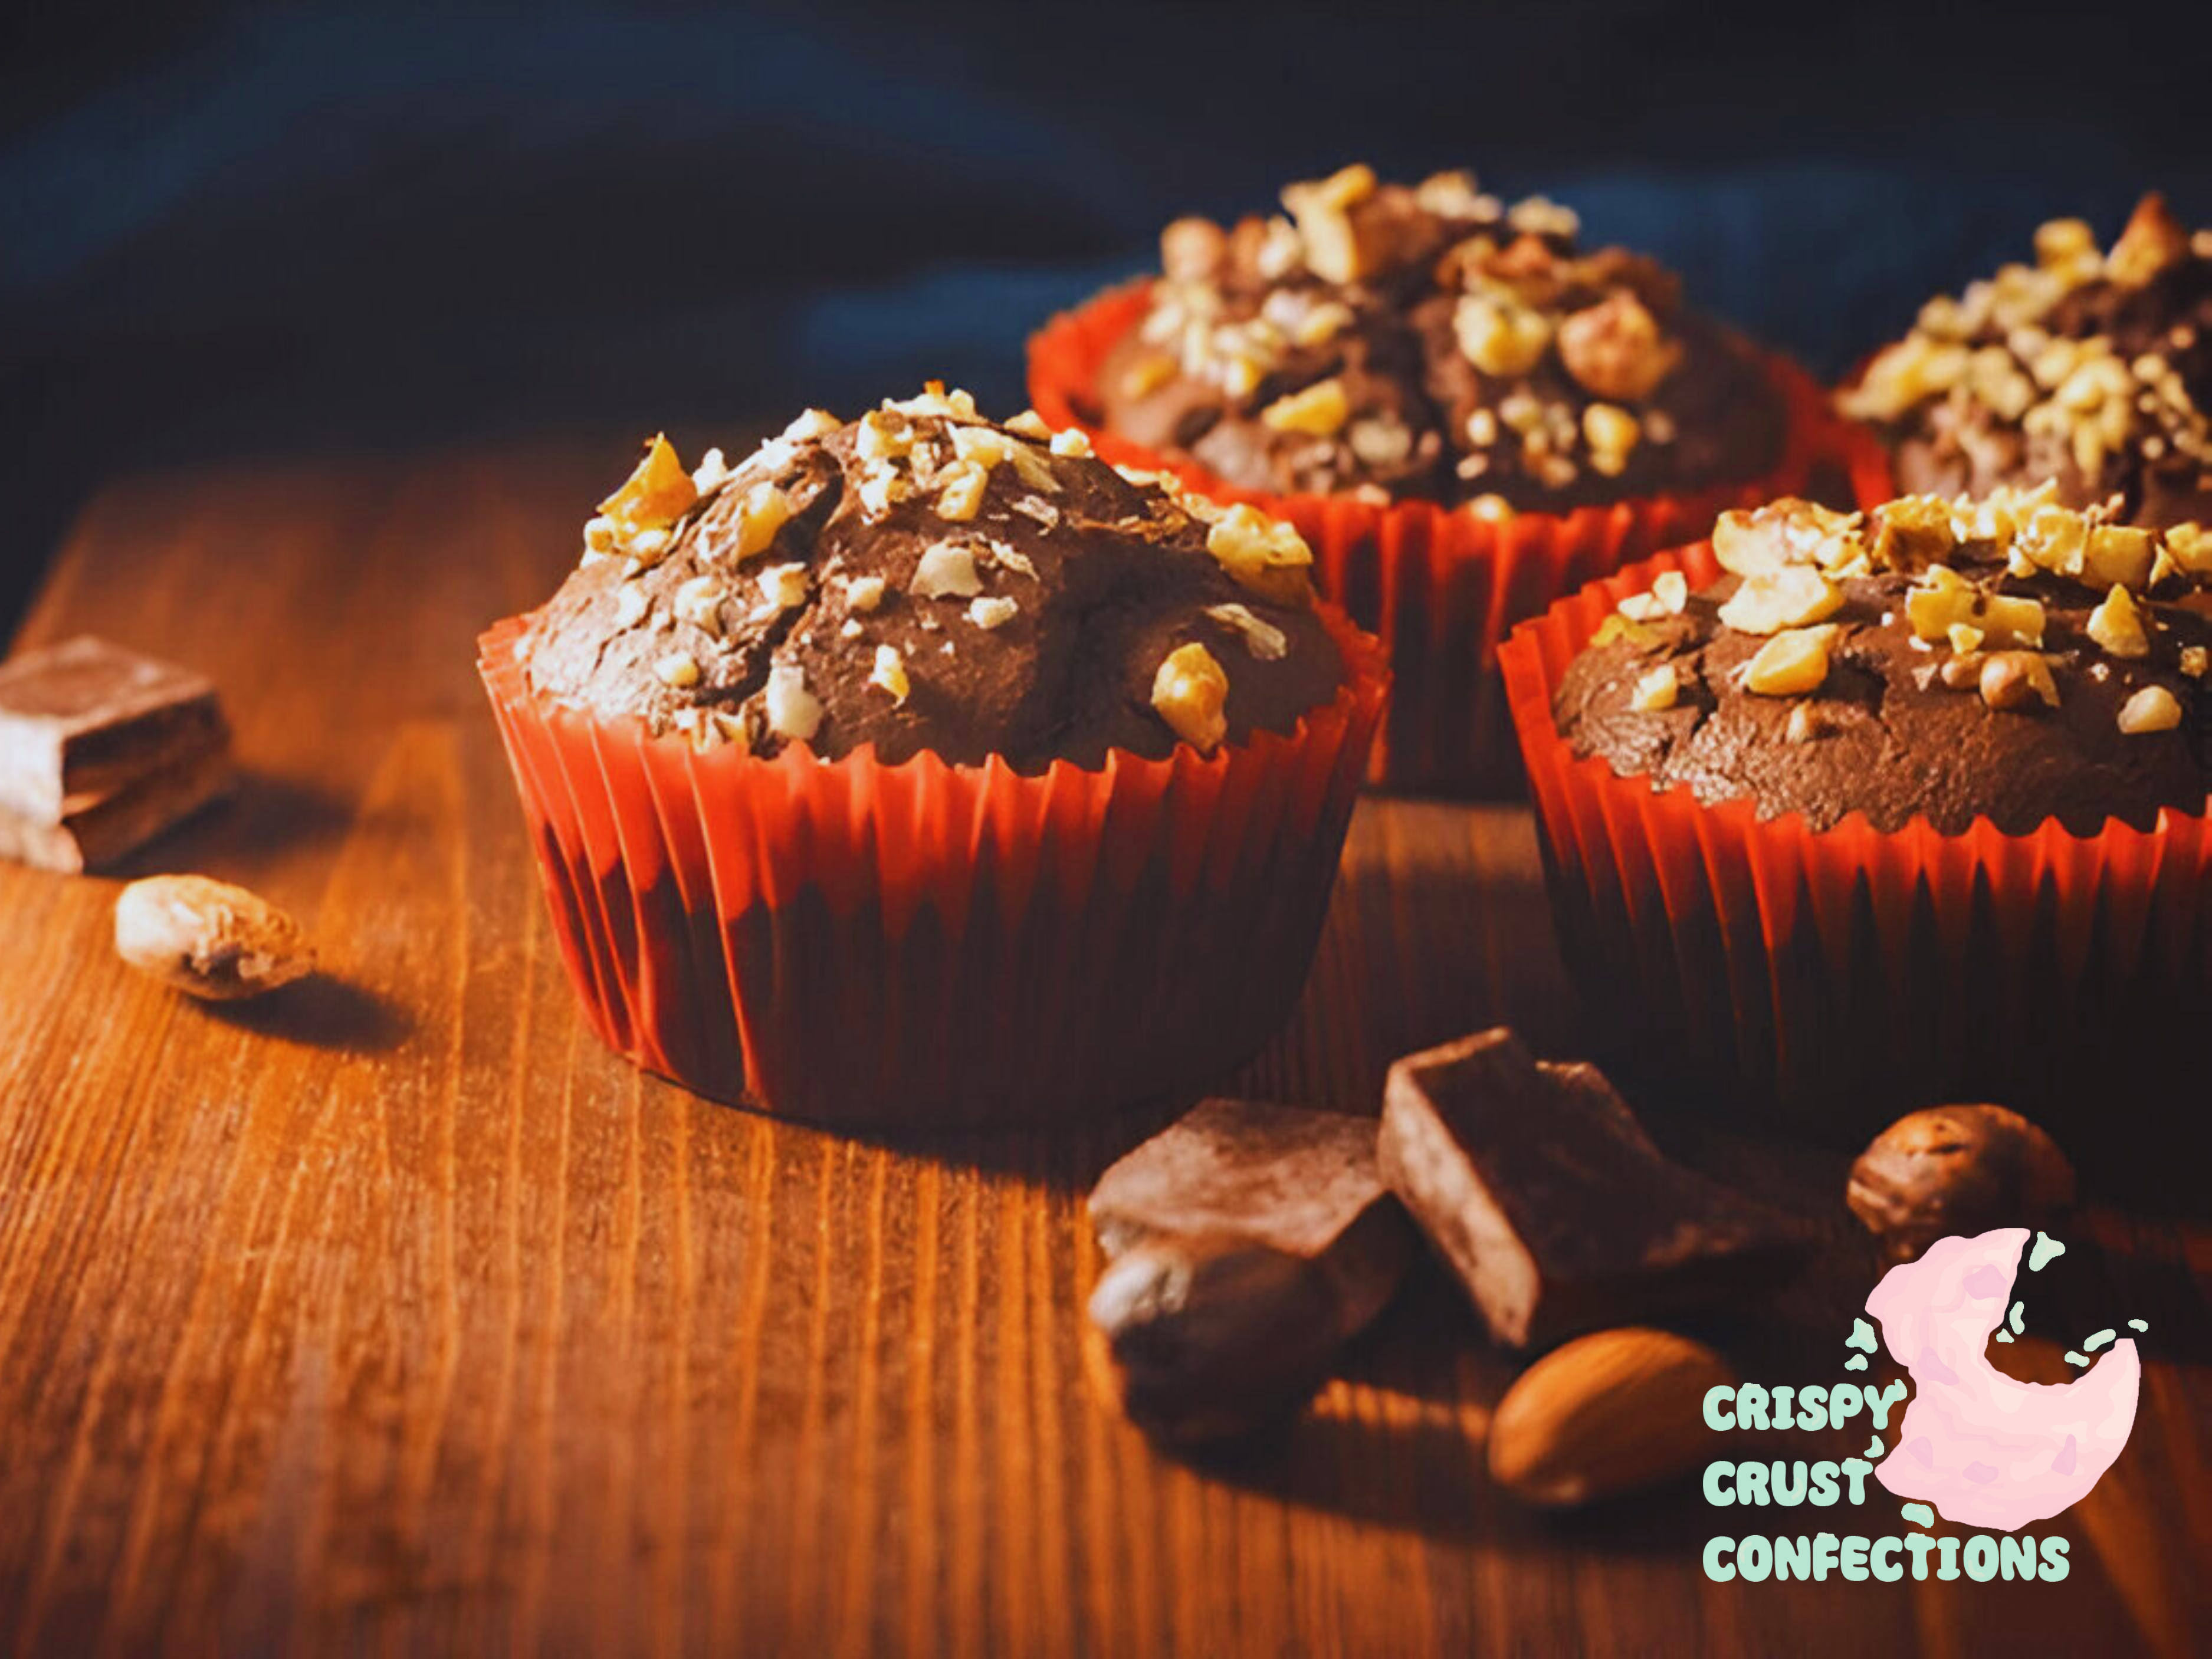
[1956, 1170]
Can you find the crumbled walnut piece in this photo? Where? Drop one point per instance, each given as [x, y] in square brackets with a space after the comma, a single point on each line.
[1944, 598]
[647, 548]
[1811, 721]
[1261, 638]
[864, 593]
[1616, 350]
[1912, 533]
[889, 673]
[1656, 690]
[1902, 375]
[1966, 639]
[1327, 235]
[1381, 441]
[1794, 596]
[1500, 336]
[783, 587]
[945, 570]
[1320, 410]
[2060, 242]
[963, 494]
[1792, 662]
[657, 494]
[699, 602]
[763, 511]
[1265, 554]
[677, 668]
[1672, 589]
[2154, 708]
[2189, 547]
[1784, 532]
[2117, 625]
[2151, 242]
[1143, 377]
[1621, 626]
[991, 610]
[1962, 673]
[711, 474]
[1072, 442]
[2120, 553]
[1611, 434]
[795, 713]
[632, 604]
[2194, 661]
[1190, 691]
[1192, 250]
[2009, 679]
[1030, 424]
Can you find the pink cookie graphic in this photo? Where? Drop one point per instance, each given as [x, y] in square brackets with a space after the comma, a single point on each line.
[1984, 1449]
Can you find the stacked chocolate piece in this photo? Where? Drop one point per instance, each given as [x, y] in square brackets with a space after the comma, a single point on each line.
[101, 749]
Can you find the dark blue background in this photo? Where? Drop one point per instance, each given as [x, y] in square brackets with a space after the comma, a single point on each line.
[235, 231]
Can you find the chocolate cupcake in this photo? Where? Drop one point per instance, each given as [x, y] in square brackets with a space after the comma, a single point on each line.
[2091, 368]
[1846, 814]
[1462, 409]
[918, 770]
[2011, 660]
[1431, 343]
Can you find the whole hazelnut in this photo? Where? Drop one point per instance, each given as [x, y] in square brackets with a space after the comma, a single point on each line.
[1956, 1170]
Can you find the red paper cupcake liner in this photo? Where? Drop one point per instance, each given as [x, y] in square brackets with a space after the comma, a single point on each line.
[1439, 587]
[928, 945]
[1834, 979]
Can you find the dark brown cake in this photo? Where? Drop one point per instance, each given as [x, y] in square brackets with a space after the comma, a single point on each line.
[2090, 369]
[1428, 342]
[922, 579]
[2009, 658]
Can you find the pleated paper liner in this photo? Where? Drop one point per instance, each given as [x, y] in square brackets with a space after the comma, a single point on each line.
[928, 945]
[1439, 587]
[1833, 980]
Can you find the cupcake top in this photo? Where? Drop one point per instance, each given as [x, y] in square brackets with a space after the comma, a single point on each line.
[923, 579]
[1429, 342]
[2090, 367]
[2009, 658]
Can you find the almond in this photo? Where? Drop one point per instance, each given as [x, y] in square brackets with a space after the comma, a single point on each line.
[1604, 1414]
[208, 938]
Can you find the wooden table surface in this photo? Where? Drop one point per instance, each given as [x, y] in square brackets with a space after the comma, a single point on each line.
[395, 1313]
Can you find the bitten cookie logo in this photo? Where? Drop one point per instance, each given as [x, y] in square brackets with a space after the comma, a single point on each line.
[1974, 1446]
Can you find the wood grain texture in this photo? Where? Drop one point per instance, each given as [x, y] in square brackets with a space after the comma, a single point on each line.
[395, 1315]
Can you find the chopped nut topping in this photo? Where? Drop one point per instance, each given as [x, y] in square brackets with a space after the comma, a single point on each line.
[1965, 639]
[945, 570]
[783, 587]
[880, 486]
[1261, 638]
[1945, 598]
[1616, 348]
[962, 495]
[1792, 662]
[2194, 661]
[631, 605]
[2009, 679]
[699, 602]
[1656, 690]
[656, 495]
[1326, 233]
[711, 474]
[1611, 434]
[1672, 589]
[1265, 555]
[1784, 532]
[1030, 424]
[2117, 625]
[677, 668]
[863, 594]
[2154, 708]
[1070, 442]
[1190, 691]
[1791, 597]
[991, 611]
[2151, 241]
[1500, 336]
[1318, 411]
[889, 673]
[795, 713]
[763, 511]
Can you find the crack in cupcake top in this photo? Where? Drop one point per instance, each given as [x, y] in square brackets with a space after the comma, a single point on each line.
[1430, 342]
[2091, 367]
[2006, 657]
[922, 579]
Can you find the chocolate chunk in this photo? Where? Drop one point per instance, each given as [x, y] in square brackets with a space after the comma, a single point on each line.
[98, 828]
[1250, 1242]
[1543, 1193]
[82, 720]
